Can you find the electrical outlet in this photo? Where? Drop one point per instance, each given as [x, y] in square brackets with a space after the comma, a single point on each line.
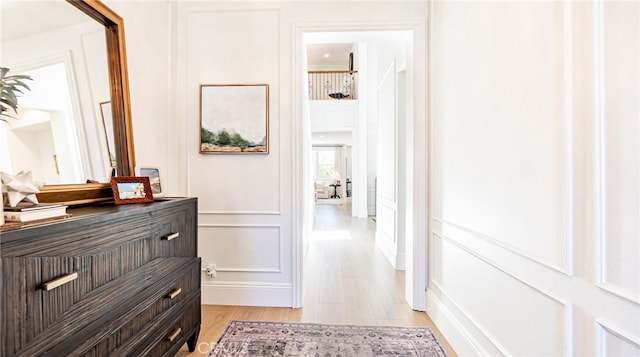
[211, 271]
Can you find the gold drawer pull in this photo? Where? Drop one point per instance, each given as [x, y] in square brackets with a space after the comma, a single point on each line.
[174, 293]
[60, 281]
[174, 334]
[171, 236]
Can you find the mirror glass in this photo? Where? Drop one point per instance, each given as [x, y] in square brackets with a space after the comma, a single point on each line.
[62, 127]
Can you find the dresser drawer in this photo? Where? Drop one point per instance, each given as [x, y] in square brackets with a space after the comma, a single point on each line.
[176, 332]
[38, 291]
[69, 238]
[177, 290]
[166, 335]
[173, 232]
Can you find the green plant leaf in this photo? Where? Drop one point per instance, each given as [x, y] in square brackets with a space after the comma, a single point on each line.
[9, 87]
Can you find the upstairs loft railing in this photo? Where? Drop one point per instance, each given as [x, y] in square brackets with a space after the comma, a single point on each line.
[329, 85]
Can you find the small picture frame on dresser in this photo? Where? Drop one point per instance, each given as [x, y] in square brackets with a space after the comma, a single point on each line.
[154, 177]
[131, 189]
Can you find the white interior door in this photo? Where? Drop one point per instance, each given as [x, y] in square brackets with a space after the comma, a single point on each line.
[387, 169]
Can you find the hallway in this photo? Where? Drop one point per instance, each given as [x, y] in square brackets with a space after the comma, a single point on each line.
[347, 281]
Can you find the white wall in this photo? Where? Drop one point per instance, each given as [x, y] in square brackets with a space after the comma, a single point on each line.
[308, 195]
[151, 40]
[243, 225]
[535, 184]
[373, 77]
[246, 207]
[32, 146]
[333, 115]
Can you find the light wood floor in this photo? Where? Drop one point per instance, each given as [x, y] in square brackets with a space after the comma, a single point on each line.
[347, 281]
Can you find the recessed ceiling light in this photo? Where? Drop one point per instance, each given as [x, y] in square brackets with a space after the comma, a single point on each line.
[321, 136]
[326, 55]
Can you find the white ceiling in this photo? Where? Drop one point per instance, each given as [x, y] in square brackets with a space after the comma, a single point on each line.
[339, 44]
[331, 138]
[338, 53]
[19, 19]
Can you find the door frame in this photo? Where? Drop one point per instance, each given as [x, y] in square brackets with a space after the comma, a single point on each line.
[420, 155]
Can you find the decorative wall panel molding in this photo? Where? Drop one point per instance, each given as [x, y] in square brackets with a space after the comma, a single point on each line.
[613, 342]
[252, 248]
[507, 165]
[467, 237]
[617, 148]
[449, 324]
[522, 306]
[535, 188]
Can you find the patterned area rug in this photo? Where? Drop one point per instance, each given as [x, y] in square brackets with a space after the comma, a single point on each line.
[262, 338]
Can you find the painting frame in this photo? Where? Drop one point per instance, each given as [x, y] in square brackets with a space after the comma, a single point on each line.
[126, 189]
[234, 119]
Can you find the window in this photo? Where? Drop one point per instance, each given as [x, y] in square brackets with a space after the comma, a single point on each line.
[324, 160]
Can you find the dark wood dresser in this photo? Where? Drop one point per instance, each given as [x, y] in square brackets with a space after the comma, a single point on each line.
[108, 281]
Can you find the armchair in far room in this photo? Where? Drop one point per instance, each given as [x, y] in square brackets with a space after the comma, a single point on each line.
[321, 189]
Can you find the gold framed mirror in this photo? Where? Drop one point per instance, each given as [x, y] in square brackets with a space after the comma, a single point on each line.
[81, 193]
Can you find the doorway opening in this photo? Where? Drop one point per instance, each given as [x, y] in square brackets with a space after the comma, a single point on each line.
[382, 141]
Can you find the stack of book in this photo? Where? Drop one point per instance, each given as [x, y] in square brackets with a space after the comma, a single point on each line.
[25, 212]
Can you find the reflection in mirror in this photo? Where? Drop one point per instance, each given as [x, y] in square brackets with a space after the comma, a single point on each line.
[42, 137]
[107, 123]
[59, 132]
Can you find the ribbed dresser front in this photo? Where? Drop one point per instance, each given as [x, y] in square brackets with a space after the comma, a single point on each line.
[110, 280]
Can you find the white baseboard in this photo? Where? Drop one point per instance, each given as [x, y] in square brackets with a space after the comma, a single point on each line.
[247, 294]
[387, 247]
[453, 330]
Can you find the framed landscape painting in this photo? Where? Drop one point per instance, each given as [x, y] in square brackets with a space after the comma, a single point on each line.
[234, 118]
